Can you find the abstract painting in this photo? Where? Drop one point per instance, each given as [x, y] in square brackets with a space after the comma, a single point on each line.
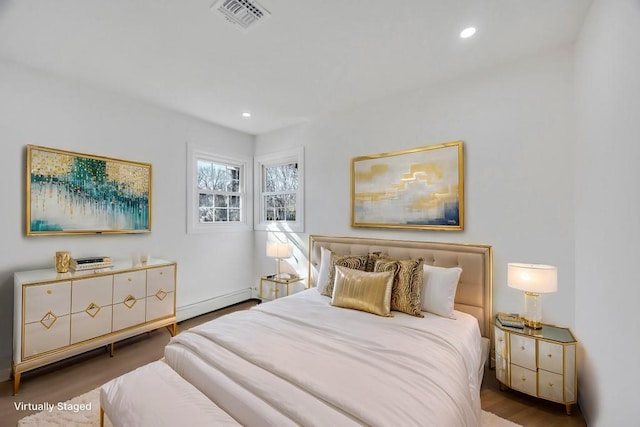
[419, 188]
[74, 193]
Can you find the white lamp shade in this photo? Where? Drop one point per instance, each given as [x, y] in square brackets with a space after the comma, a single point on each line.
[534, 278]
[278, 250]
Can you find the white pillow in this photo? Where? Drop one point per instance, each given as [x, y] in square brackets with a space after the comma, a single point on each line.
[323, 271]
[439, 289]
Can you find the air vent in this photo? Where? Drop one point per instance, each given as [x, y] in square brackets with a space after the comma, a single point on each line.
[244, 14]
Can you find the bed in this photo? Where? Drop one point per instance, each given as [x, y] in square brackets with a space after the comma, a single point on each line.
[300, 360]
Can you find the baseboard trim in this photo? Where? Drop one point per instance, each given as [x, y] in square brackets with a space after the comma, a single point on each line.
[201, 307]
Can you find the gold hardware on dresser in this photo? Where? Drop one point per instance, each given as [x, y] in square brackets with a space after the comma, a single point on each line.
[521, 363]
[59, 315]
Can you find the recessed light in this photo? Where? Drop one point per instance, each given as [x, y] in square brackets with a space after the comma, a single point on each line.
[246, 114]
[468, 32]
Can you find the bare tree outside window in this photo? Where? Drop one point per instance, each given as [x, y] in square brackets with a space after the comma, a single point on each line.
[280, 187]
[218, 187]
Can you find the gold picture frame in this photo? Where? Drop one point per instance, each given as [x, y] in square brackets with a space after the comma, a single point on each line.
[420, 188]
[75, 193]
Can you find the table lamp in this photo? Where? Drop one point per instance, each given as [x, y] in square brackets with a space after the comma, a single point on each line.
[279, 251]
[533, 279]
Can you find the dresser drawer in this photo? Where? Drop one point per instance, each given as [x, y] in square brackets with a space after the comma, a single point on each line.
[500, 342]
[50, 334]
[50, 297]
[550, 356]
[131, 283]
[161, 278]
[523, 379]
[129, 312]
[550, 386]
[95, 290]
[523, 351]
[91, 323]
[160, 305]
[502, 369]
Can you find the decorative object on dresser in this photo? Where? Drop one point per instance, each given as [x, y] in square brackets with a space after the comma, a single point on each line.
[62, 261]
[74, 193]
[419, 188]
[533, 279]
[540, 362]
[58, 315]
[278, 250]
[90, 263]
[512, 320]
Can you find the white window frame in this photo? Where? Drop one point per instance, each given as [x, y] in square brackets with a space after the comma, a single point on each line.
[194, 226]
[260, 162]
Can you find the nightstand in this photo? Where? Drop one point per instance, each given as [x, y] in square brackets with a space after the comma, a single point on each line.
[276, 283]
[539, 362]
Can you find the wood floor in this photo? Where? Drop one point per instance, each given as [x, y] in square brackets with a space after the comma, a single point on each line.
[70, 378]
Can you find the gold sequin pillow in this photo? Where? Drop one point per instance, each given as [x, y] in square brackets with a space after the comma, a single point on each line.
[362, 290]
[407, 284]
[350, 261]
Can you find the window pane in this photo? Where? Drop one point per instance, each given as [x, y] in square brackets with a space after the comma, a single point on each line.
[221, 215]
[233, 186]
[206, 200]
[281, 177]
[206, 215]
[204, 175]
[234, 215]
[291, 213]
[234, 201]
[221, 201]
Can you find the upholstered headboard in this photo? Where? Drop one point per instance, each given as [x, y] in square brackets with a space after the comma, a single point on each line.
[474, 289]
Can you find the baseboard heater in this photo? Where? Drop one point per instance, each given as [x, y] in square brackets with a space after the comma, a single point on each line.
[201, 307]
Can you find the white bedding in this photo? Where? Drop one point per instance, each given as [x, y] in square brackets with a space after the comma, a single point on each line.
[300, 361]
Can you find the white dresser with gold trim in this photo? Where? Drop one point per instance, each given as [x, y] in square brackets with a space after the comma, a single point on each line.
[58, 315]
[539, 362]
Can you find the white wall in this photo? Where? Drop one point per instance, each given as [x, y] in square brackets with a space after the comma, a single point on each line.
[40, 109]
[607, 200]
[516, 122]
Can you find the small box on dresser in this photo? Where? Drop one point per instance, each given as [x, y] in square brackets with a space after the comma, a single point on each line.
[58, 315]
[539, 362]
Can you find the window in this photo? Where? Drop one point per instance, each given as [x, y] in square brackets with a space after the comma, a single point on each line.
[280, 197]
[217, 192]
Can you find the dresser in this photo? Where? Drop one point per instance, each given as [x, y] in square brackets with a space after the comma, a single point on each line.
[58, 315]
[539, 362]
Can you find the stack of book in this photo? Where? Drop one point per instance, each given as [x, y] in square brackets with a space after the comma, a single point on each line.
[511, 320]
[90, 263]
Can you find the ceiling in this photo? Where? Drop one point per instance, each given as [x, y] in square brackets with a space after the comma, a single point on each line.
[307, 59]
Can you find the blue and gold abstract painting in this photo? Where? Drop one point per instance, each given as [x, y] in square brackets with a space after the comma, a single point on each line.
[417, 188]
[73, 193]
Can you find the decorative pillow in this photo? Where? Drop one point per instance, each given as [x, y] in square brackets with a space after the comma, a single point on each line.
[350, 261]
[372, 257]
[439, 289]
[323, 271]
[362, 290]
[407, 284]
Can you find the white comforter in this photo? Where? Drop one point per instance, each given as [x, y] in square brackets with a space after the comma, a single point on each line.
[300, 361]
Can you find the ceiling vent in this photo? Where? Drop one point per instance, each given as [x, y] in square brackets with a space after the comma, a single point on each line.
[244, 14]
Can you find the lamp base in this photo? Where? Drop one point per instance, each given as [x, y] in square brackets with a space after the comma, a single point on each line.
[533, 310]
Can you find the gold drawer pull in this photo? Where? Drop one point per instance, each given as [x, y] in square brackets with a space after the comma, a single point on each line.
[161, 273]
[550, 384]
[49, 291]
[522, 348]
[48, 319]
[129, 301]
[549, 355]
[500, 339]
[129, 279]
[523, 379]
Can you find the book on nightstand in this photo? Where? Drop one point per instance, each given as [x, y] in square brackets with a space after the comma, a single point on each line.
[512, 320]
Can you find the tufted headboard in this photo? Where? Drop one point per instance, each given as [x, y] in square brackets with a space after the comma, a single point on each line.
[474, 289]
